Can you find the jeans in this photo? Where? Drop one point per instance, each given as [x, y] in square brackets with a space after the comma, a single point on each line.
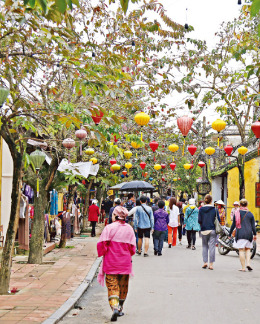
[158, 238]
[93, 231]
[209, 247]
[191, 236]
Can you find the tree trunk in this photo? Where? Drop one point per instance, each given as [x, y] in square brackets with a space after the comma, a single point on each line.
[6, 262]
[36, 242]
[63, 239]
[85, 216]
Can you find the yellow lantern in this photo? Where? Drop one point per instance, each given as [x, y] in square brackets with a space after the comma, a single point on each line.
[209, 150]
[128, 154]
[135, 145]
[218, 125]
[173, 148]
[242, 150]
[157, 167]
[93, 160]
[90, 151]
[175, 179]
[128, 165]
[115, 167]
[186, 166]
[142, 119]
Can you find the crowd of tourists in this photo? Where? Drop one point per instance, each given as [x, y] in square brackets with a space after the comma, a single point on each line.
[130, 225]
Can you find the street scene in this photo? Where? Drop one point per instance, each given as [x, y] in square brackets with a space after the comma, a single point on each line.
[129, 161]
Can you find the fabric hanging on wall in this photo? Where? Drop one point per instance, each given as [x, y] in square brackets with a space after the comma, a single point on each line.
[60, 201]
[54, 203]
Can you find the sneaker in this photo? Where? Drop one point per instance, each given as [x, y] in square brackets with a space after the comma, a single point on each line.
[138, 253]
[146, 255]
[180, 243]
[188, 246]
[169, 246]
[159, 253]
[115, 315]
[155, 252]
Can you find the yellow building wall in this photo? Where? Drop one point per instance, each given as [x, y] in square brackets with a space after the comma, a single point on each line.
[251, 170]
[233, 190]
[251, 177]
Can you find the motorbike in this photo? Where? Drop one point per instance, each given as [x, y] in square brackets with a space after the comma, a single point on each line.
[225, 245]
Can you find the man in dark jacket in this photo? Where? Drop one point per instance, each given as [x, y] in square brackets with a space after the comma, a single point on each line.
[117, 202]
[161, 219]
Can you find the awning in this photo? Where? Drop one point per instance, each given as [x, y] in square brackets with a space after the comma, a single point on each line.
[81, 168]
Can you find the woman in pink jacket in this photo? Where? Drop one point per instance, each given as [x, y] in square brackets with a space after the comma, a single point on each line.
[116, 244]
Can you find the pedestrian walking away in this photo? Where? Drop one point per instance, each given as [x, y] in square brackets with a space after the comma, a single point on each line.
[222, 213]
[191, 223]
[93, 213]
[117, 202]
[130, 204]
[244, 222]
[206, 219]
[174, 222]
[161, 219]
[180, 227]
[143, 225]
[131, 214]
[116, 245]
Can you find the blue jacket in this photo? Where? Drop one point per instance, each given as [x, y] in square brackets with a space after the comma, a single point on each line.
[191, 219]
[207, 216]
[141, 218]
[161, 219]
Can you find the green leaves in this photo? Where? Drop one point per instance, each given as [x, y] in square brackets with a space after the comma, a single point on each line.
[62, 5]
[255, 7]
[124, 5]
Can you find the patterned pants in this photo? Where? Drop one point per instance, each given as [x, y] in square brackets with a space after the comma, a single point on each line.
[117, 286]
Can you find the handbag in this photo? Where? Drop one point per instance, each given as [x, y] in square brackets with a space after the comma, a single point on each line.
[218, 227]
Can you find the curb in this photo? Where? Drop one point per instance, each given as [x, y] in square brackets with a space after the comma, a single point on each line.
[70, 303]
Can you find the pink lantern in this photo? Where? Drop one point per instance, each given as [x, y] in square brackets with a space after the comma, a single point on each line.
[81, 134]
[68, 143]
[184, 123]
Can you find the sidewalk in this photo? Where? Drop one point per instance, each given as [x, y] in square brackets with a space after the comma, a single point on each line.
[44, 288]
[258, 244]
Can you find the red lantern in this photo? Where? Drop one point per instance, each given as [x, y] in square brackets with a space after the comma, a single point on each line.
[96, 115]
[191, 166]
[192, 149]
[163, 166]
[81, 134]
[83, 182]
[142, 165]
[201, 164]
[256, 128]
[145, 174]
[172, 166]
[163, 179]
[154, 146]
[184, 123]
[113, 161]
[229, 149]
[124, 173]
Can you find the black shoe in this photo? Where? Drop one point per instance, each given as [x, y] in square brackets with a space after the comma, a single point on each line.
[121, 314]
[115, 315]
[138, 253]
[169, 246]
[188, 246]
[146, 255]
[159, 254]
[155, 252]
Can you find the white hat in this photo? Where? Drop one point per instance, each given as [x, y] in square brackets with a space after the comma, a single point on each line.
[220, 202]
[192, 201]
[236, 203]
[94, 201]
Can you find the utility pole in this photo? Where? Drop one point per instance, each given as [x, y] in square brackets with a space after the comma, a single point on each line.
[204, 145]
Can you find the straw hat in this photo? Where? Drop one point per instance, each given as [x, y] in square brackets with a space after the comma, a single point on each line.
[220, 202]
[120, 212]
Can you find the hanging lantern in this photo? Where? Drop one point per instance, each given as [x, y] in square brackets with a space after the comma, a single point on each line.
[142, 165]
[68, 143]
[163, 178]
[122, 176]
[184, 123]
[154, 146]
[83, 182]
[218, 125]
[186, 166]
[135, 145]
[124, 173]
[145, 174]
[115, 167]
[157, 167]
[256, 128]
[209, 150]
[191, 166]
[96, 115]
[113, 161]
[142, 119]
[179, 179]
[173, 148]
[228, 149]
[175, 179]
[163, 165]
[128, 165]
[201, 164]
[242, 150]
[172, 166]
[192, 149]
[93, 160]
[37, 158]
[151, 179]
[128, 154]
[4, 92]
[81, 134]
[89, 151]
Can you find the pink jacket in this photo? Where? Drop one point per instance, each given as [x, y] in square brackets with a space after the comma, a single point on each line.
[116, 244]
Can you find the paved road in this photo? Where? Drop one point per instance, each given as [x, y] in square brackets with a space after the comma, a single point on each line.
[174, 288]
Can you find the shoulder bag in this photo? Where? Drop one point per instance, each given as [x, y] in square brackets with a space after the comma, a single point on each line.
[218, 227]
[146, 213]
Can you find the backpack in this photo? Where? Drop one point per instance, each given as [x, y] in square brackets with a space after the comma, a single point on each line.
[129, 205]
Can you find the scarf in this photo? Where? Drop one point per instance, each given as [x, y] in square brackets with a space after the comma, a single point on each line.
[238, 216]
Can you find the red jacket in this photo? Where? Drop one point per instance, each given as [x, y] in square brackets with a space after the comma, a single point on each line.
[93, 213]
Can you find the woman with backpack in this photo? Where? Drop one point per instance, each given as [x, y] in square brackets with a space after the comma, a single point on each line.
[191, 223]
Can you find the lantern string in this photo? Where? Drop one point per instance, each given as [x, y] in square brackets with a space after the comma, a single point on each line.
[183, 147]
[38, 187]
[80, 148]
[218, 141]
